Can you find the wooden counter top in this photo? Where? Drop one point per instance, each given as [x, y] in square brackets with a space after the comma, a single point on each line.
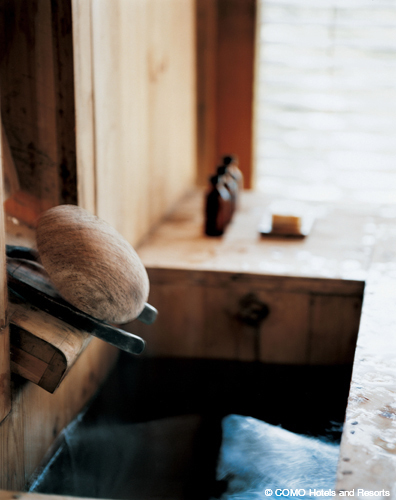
[348, 246]
[368, 447]
[339, 246]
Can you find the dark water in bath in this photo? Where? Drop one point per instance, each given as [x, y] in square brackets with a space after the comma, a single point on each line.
[154, 430]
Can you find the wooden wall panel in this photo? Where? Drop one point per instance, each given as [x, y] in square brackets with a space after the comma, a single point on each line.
[120, 92]
[144, 109]
[207, 155]
[235, 67]
[37, 101]
[84, 97]
[225, 61]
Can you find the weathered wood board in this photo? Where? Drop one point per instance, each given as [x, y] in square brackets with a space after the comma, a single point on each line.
[368, 446]
[5, 396]
[43, 348]
[37, 103]
[143, 88]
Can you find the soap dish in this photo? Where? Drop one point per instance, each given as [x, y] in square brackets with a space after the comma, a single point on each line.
[286, 220]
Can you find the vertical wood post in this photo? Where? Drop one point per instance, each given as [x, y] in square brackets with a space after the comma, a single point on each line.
[5, 395]
[225, 67]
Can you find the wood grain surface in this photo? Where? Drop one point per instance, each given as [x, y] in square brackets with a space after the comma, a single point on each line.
[143, 62]
[5, 396]
[368, 446]
[91, 265]
[84, 97]
[37, 97]
[43, 348]
[10, 174]
[201, 317]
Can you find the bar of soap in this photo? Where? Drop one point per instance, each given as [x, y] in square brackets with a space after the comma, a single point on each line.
[286, 224]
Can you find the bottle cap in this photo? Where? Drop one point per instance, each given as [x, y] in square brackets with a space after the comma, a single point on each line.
[227, 160]
[214, 179]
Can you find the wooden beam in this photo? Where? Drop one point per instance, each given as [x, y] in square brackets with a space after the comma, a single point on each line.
[5, 397]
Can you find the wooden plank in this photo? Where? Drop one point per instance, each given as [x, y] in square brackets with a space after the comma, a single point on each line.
[12, 434]
[225, 279]
[334, 326]
[302, 327]
[121, 122]
[48, 328]
[62, 40]
[224, 336]
[207, 323]
[84, 97]
[201, 326]
[45, 340]
[144, 108]
[26, 365]
[37, 360]
[175, 334]
[5, 395]
[171, 102]
[10, 174]
[27, 342]
[284, 334]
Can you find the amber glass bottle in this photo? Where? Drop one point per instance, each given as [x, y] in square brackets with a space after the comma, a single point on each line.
[218, 207]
